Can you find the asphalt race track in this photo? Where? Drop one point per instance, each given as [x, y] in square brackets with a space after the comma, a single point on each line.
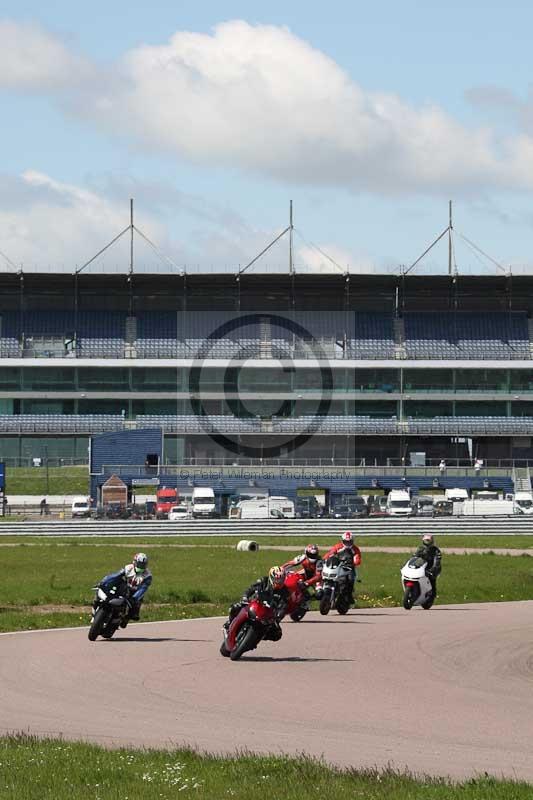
[447, 691]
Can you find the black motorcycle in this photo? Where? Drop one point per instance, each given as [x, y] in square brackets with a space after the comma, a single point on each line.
[338, 579]
[111, 609]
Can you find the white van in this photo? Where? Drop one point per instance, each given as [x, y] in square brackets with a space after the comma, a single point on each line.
[456, 495]
[523, 502]
[80, 507]
[263, 508]
[399, 503]
[203, 502]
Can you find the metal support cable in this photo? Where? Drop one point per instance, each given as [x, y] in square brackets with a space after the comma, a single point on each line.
[112, 242]
[262, 253]
[8, 260]
[316, 247]
[431, 246]
[156, 250]
[486, 255]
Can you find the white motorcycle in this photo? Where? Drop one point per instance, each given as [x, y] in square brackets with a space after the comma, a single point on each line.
[417, 589]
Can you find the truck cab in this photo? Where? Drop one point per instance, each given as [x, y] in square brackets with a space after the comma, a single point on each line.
[203, 502]
[166, 498]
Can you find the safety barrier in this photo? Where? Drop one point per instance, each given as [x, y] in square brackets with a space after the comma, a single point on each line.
[252, 529]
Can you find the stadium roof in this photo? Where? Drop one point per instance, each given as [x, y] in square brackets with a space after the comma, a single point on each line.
[371, 292]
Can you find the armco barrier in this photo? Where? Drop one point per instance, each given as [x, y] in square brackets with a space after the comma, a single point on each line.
[252, 529]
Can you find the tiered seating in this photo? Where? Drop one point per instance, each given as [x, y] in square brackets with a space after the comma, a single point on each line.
[370, 335]
[100, 334]
[10, 334]
[191, 423]
[472, 426]
[60, 423]
[467, 335]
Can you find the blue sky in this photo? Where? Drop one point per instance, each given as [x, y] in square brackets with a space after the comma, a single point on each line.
[369, 116]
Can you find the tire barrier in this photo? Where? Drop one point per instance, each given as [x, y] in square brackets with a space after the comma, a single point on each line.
[248, 545]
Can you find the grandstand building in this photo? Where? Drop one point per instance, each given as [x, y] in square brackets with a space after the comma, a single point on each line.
[316, 368]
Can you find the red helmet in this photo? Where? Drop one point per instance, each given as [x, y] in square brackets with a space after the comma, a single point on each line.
[311, 552]
[347, 538]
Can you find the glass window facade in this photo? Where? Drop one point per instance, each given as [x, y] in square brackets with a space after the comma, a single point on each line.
[428, 380]
[95, 379]
[48, 379]
[480, 409]
[9, 378]
[428, 409]
[158, 380]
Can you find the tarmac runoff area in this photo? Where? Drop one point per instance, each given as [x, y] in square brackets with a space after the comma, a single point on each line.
[447, 692]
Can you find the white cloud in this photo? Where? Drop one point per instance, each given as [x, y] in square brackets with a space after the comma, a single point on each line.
[32, 59]
[262, 100]
[49, 224]
[60, 226]
[332, 259]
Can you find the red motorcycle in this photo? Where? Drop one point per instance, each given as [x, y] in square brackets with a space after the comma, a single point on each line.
[298, 603]
[255, 621]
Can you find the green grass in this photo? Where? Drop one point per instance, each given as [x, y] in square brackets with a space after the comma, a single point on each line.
[61, 480]
[34, 769]
[298, 542]
[47, 586]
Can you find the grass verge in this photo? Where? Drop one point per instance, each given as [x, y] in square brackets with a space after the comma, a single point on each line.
[140, 540]
[33, 480]
[51, 586]
[34, 769]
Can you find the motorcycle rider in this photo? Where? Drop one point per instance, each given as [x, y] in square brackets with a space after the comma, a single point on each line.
[309, 565]
[346, 545]
[138, 578]
[432, 555]
[272, 589]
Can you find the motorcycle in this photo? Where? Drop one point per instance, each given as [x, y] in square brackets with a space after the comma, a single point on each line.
[111, 610]
[417, 590]
[255, 621]
[338, 579]
[298, 603]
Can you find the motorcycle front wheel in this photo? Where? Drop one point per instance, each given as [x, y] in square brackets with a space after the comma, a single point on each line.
[325, 604]
[97, 624]
[108, 631]
[298, 615]
[224, 650]
[247, 639]
[408, 598]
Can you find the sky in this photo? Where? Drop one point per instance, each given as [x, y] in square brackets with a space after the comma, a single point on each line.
[214, 116]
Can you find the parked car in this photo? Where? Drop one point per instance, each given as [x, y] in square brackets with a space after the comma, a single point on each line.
[81, 507]
[424, 506]
[178, 513]
[340, 512]
[357, 508]
[379, 507]
[443, 508]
